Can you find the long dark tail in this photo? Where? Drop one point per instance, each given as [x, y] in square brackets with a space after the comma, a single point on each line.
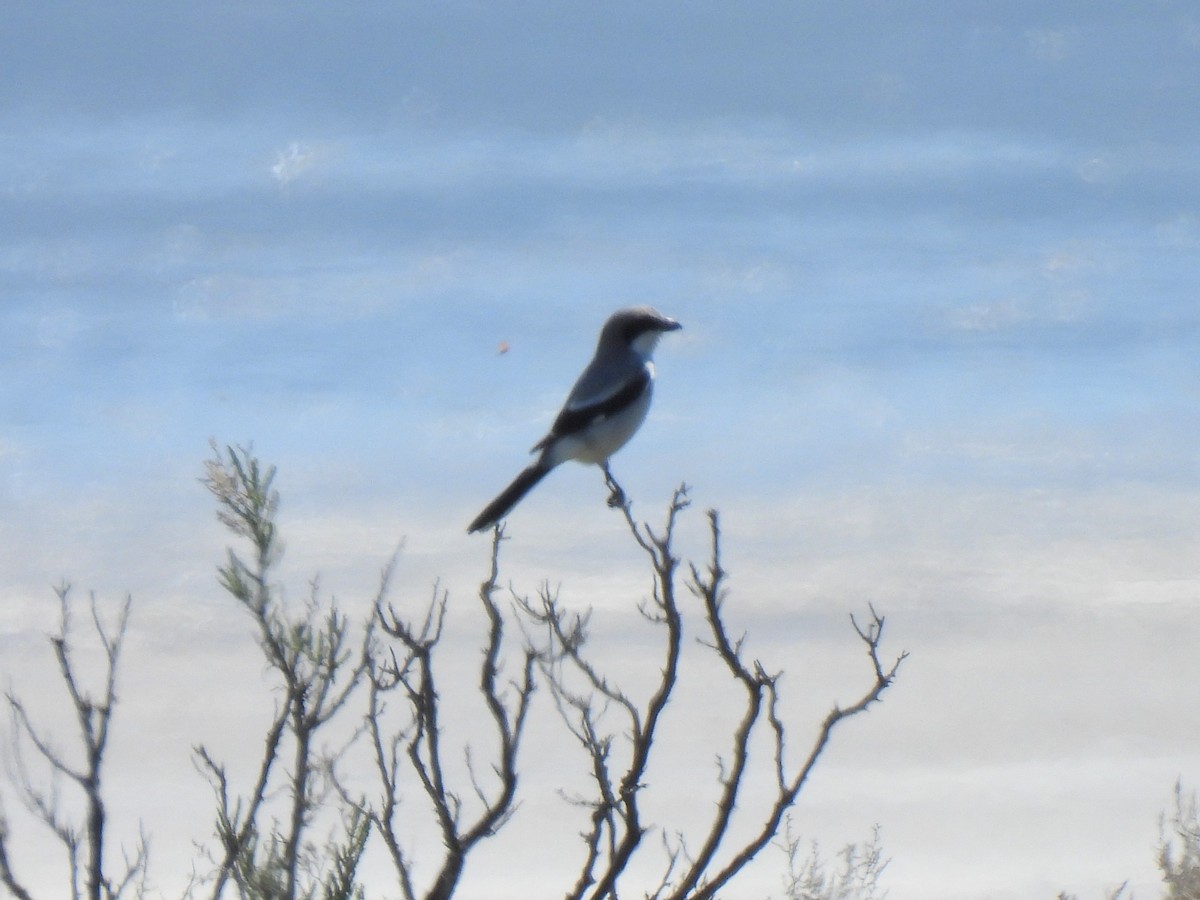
[509, 497]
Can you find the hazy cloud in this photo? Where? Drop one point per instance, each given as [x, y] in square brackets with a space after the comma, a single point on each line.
[937, 270]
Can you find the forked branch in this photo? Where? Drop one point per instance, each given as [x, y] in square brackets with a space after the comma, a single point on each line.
[410, 669]
[583, 694]
[704, 880]
[85, 847]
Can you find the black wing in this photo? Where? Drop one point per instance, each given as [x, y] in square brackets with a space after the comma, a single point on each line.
[570, 420]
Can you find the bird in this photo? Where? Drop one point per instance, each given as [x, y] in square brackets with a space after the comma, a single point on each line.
[604, 409]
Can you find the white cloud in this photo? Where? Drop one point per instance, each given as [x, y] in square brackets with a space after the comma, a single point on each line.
[1049, 45]
[1181, 231]
[292, 162]
[59, 329]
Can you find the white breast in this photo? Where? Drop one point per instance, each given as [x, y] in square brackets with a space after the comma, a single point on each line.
[606, 436]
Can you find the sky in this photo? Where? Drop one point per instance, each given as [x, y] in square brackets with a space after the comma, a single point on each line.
[936, 265]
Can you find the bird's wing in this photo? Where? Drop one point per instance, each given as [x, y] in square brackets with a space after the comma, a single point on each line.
[582, 411]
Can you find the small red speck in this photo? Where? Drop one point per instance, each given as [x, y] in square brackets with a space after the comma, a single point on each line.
[502, 348]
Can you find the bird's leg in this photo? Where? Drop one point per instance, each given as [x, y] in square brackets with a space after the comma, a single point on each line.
[616, 498]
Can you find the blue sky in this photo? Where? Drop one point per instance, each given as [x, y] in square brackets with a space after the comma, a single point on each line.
[937, 268]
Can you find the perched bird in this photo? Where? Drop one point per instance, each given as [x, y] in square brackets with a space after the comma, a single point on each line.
[605, 407]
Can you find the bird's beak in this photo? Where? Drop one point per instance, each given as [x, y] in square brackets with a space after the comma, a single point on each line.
[671, 325]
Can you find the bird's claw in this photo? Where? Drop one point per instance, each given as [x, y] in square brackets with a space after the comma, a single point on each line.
[616, 497]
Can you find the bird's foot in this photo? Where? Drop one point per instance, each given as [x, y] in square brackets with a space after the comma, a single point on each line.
[616, 497]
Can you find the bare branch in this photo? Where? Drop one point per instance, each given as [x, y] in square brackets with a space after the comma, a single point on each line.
[419, 740]
[790, 789]
[616, 828]
[7, 876]
[136, 869]
[93, 717]
[756, 683]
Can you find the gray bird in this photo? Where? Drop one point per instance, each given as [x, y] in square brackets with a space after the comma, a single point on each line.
[605, 407]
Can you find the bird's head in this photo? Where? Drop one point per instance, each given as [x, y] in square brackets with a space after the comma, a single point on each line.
[638, 328]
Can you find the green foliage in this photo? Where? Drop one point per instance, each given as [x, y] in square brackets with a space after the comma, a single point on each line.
[856, 877]
[309, 649]
[1179, 848]
[340, 883]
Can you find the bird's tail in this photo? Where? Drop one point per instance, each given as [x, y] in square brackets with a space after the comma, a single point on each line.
[509, 497]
